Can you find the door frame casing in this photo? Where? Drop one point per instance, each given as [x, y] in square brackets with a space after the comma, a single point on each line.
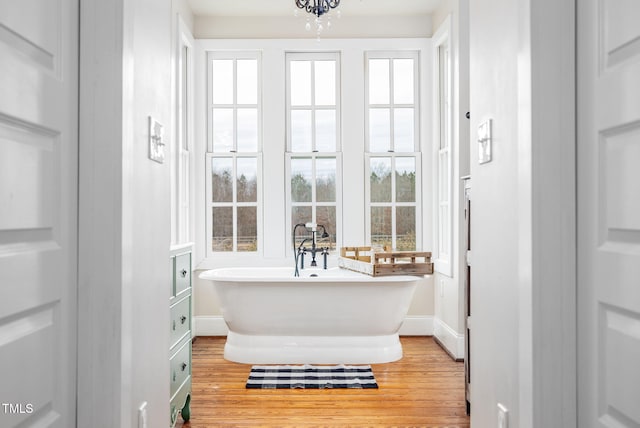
[547, 214]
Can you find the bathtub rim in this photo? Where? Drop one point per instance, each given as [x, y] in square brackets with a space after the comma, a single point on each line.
[226, 274]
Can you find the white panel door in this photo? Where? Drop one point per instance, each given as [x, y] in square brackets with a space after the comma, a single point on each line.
[38, 205]
[608, 213]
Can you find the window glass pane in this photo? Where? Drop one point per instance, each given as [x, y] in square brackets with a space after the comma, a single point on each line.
[300, 77]
[444, 176]
[406, 228]
[222, 129]
[247, 130]
[325, 130]
[403, 140]
[325, 83]
[326, 216]
[379, 130]
[247, 229]
[222, 230]
[222, 81]
[246, 176]
[247, 81]
[443, 223]
[403, 81]
[301, 130]
[301, 180]
[380, 179]
[326, 180]
[405, 179]
[301, 215]
[221, 179]
[378, 81]
[381, 226]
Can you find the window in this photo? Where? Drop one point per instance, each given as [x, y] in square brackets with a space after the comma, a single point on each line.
[313, 143]
[234, 158]
[444, 177]
[181, 146]
[392, 160]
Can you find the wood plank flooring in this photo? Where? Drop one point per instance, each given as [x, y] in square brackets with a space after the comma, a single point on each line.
[424, 389]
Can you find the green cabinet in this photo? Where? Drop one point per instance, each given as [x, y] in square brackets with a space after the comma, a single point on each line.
[180, 336]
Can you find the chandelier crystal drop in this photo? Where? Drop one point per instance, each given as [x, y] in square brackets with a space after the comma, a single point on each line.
[318, 8]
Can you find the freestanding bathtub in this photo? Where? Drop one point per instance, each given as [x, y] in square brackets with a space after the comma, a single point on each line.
[331, 316]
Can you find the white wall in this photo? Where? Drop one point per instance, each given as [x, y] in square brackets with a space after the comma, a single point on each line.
[125, 210]
[494, 36]
[275, 27]
[523, 224]
[449, 290]
[352, 68]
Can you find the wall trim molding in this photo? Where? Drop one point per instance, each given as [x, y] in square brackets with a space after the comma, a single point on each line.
[449, 339]
[214, 325]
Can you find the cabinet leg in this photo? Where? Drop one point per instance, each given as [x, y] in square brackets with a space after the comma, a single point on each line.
[186, 410]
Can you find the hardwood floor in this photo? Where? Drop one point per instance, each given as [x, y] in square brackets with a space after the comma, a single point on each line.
[424, 389]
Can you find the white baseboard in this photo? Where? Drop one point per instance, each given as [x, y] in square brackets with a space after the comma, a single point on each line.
[417, 325]
[214, 325]
[210, 325]
[449, 338]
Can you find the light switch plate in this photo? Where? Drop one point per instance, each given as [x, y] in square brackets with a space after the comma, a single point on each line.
[156, 140]
[484, 142]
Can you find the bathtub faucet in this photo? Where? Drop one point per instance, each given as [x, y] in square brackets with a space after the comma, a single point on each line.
[300, 252]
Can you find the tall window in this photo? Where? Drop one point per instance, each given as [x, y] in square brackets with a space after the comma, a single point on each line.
[313, 142]
[443, 159]
[234, 158]
[392, 160]
[182, 145]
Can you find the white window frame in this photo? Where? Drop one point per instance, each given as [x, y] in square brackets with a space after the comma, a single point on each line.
[313, 154]
[314, 203]
[443, 147]
[313, 56]
[231, 55]
[391, 55]
[233, 154]
[234, 205]
[394, 204]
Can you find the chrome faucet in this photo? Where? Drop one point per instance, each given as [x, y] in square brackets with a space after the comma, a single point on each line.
[300, 252]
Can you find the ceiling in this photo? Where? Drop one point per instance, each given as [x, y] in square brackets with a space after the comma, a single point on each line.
[287, 7]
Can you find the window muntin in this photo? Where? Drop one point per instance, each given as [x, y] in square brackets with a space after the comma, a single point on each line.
[234, 159]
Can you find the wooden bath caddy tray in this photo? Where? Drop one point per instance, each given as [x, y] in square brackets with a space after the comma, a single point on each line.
[359, 259]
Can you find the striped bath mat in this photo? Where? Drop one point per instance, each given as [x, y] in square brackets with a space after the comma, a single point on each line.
[311, 377]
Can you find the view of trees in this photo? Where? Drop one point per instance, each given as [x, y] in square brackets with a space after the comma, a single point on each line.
[381, 192]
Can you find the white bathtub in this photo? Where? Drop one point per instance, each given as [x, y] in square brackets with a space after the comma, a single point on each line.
[336, 317]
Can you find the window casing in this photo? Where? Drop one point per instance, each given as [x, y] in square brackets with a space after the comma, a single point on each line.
[392, 161]
[234, 159]
[313, 158]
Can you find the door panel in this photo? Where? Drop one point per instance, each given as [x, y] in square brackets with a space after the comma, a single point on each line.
[608, 213]
[38, 205]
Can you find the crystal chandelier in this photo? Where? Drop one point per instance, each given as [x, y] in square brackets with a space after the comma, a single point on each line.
[318, 8]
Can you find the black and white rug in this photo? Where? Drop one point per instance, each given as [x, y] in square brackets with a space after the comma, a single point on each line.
[311, 377]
